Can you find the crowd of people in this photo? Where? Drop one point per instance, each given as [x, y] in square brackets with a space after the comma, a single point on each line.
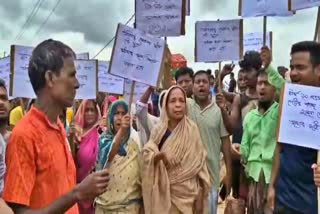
[58, 155]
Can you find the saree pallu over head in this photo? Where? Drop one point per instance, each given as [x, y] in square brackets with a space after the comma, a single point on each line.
[124, 190]
[88, 149]
[175, 190]
[106, 140]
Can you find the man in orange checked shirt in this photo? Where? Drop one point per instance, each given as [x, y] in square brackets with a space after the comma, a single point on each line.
[41, 175]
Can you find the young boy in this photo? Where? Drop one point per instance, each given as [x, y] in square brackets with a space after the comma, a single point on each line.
[258, 144]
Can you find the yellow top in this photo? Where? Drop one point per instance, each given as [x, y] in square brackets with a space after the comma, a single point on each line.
[69, 114]
[16, 115]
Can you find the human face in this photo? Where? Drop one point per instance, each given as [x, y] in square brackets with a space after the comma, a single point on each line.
[176, 104]
[63, 87]
[4, 104]
[266, 92]
[211, 81]
[90, 114]
[120, 112]
[201, 87]
[250, 77]
[185, 82]
[241, 81]
[302, 71]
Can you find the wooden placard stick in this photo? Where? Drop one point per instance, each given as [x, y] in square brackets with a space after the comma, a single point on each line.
[317, 28]
[131, 95]
[264, 31]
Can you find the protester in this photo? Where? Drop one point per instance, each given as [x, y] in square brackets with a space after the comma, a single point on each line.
[175, 174]
[41, 175]
[120, 153]
[87, 136]
[258, 144]
[18, 112]
[4, 134]
[183, 78]
[146, 120]
[208, 117]
[292, 186]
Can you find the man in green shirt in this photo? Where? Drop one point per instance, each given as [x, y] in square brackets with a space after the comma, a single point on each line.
[258, 143]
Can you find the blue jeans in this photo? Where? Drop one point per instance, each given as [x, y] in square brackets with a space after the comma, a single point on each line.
[213, 201]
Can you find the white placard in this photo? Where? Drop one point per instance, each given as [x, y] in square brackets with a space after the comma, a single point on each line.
[218, 40]
[82, 56]
[254, 8]
[254, 41]
[21, 82]
[87, 72]
[160, 18]
[137, 56]
[139, 90]
[300, 116]
[109, 83]
[5, 71]
[304, 4]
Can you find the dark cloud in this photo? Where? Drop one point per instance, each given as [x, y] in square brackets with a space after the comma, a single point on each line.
[96, 19]
[11, 9]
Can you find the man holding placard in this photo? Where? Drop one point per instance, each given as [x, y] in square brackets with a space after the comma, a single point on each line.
[292, 186]
[41, 175]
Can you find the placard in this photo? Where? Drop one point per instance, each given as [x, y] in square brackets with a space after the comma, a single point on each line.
[303, 4]
[20, 85]
[254, 41]
[137, 56]
[219, 40]
[254, 8]
[109, 83]
[300, 116]
[82, 56]
[5, 71]
[138, 91]
[161, 18]
[87, 75]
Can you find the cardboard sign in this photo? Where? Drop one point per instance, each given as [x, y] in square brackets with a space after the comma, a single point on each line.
[87, 75]
[300, 116]
[254, 8]
[82, 56]
[161, 18]
[303, 4]
[219, 40]
[20, 85]
[5, 71]
[137, 56]
[254, 41]
[109, 83]
[138, 91]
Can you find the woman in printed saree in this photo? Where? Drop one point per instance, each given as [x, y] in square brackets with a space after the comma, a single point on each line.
[120, 153]
[87, 136]
[175, 175]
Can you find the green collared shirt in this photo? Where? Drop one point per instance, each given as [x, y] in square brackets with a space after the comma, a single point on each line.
[275, 78]
[259, 141]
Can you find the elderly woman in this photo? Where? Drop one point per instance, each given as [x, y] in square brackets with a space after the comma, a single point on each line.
[120, 153]
[87, 136]
[175, 173]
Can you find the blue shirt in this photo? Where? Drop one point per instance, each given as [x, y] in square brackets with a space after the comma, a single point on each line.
[295, 186]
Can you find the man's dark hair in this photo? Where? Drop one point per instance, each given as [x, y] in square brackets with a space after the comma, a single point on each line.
[232, 74]
[3, 84]
[201, 72]
[183, 71]
[261, 72]
[251, 60]
[308, 46]
[48, 55]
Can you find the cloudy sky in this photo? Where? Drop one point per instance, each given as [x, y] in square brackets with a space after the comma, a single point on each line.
[87, 27]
